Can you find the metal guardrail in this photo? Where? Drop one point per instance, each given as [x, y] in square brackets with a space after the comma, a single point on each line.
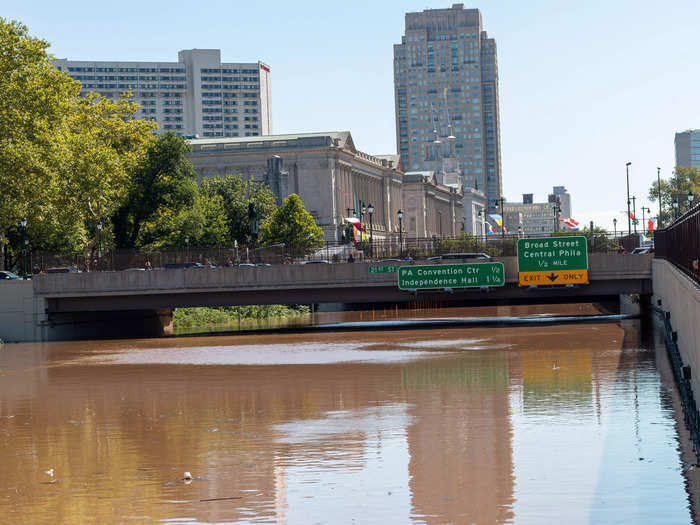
[413, 248]
[680, 243]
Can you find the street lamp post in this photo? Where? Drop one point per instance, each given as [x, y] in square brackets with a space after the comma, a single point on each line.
[658, 184]
[629, 217]
[500, 201]
[23, 222]
[675, 208]
[187, 247]
[634, 212]
[99, 244]
[614, 228]
[370, 210]
[644, 220]
[400, 214]
[691, 197]
[556, 209]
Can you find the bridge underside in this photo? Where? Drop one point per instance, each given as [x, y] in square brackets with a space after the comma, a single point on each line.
[509, 294]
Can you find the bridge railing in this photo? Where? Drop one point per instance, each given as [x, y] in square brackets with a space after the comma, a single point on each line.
[385, 248]
[680, 243]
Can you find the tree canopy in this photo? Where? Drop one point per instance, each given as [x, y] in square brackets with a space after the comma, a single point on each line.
[292, 226]
[684, 180]
[64, 158]
[236, 194]
[163, 182]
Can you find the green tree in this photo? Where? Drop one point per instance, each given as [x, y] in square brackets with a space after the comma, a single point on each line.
[236, 194]
[293, 226]
[684, 179]
[164, 180]
[63, 158]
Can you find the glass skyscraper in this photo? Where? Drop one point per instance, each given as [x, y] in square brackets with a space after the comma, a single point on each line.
[446, 87]
[688, 148]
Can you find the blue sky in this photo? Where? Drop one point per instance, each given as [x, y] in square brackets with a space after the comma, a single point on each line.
[584, 87]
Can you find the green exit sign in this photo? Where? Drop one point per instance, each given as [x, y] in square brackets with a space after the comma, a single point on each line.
[451, 276]
[391, 268]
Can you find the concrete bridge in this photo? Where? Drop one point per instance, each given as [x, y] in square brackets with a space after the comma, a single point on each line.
[108, 304]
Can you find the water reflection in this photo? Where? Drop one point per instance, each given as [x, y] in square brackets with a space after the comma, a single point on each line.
[460, 425]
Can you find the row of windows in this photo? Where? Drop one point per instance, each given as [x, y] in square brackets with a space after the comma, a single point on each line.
[129, 78]
[229, 71]
[229, 79]
[134, 86]
[227, 126]
[126, 70]
[230, 86]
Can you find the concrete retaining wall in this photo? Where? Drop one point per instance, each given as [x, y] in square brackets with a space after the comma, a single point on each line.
[18, 313]
[681, 297]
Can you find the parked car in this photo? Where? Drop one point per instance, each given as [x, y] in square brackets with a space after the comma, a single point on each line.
[183, 265]
[477, 256]
[8, 276]
[62, 269]
[643, 249]
[320, 261]
[390, 261]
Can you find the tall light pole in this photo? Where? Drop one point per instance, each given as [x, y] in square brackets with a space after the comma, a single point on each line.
[23, 222]
[690, 199]
[370, 210]
[500, 201]
[400, 214]
[556, 209]
[629, 217]
[658, 187]
[644, 220]
[614, 228]
[634, 212]
[675, 208]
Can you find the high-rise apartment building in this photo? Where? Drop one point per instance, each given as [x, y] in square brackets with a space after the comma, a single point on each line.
[446, 86]
[196, 96]
[688, 148]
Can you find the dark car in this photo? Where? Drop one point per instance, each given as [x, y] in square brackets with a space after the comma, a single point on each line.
[8, 276]
[462, 256]
[183, 265]
[62, 269]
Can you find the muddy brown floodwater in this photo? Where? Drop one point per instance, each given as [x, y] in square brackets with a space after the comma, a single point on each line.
[569, 423]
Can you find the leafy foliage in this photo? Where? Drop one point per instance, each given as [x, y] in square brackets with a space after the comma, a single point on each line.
[677, 187]
[160, 186]
[292, 226]
[236, 194]
[64, 159]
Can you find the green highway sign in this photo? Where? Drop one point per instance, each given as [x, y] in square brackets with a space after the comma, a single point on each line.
[552, 260]
[451, 276]
[383, 269]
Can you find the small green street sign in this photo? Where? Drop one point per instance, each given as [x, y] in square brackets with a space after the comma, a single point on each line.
[451, 276]
[552, 261]
[383, 269]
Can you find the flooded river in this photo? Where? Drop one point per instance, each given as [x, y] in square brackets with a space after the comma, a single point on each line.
[565, 423]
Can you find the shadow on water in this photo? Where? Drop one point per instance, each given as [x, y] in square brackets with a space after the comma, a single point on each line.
[411, 319]
[644, 361]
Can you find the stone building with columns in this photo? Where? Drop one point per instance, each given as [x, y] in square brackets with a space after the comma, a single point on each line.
[332, 178]
[430, 208]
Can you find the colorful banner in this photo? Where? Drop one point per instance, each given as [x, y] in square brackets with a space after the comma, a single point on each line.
[498, 220]
[358, 234]
[651, 225]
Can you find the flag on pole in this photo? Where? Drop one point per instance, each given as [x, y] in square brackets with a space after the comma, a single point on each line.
[490, 230]
[651, 224]
[570, 222]
[498, 220]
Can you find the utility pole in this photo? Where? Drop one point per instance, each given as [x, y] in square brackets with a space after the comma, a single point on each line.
[629, 218]
[658, 182]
